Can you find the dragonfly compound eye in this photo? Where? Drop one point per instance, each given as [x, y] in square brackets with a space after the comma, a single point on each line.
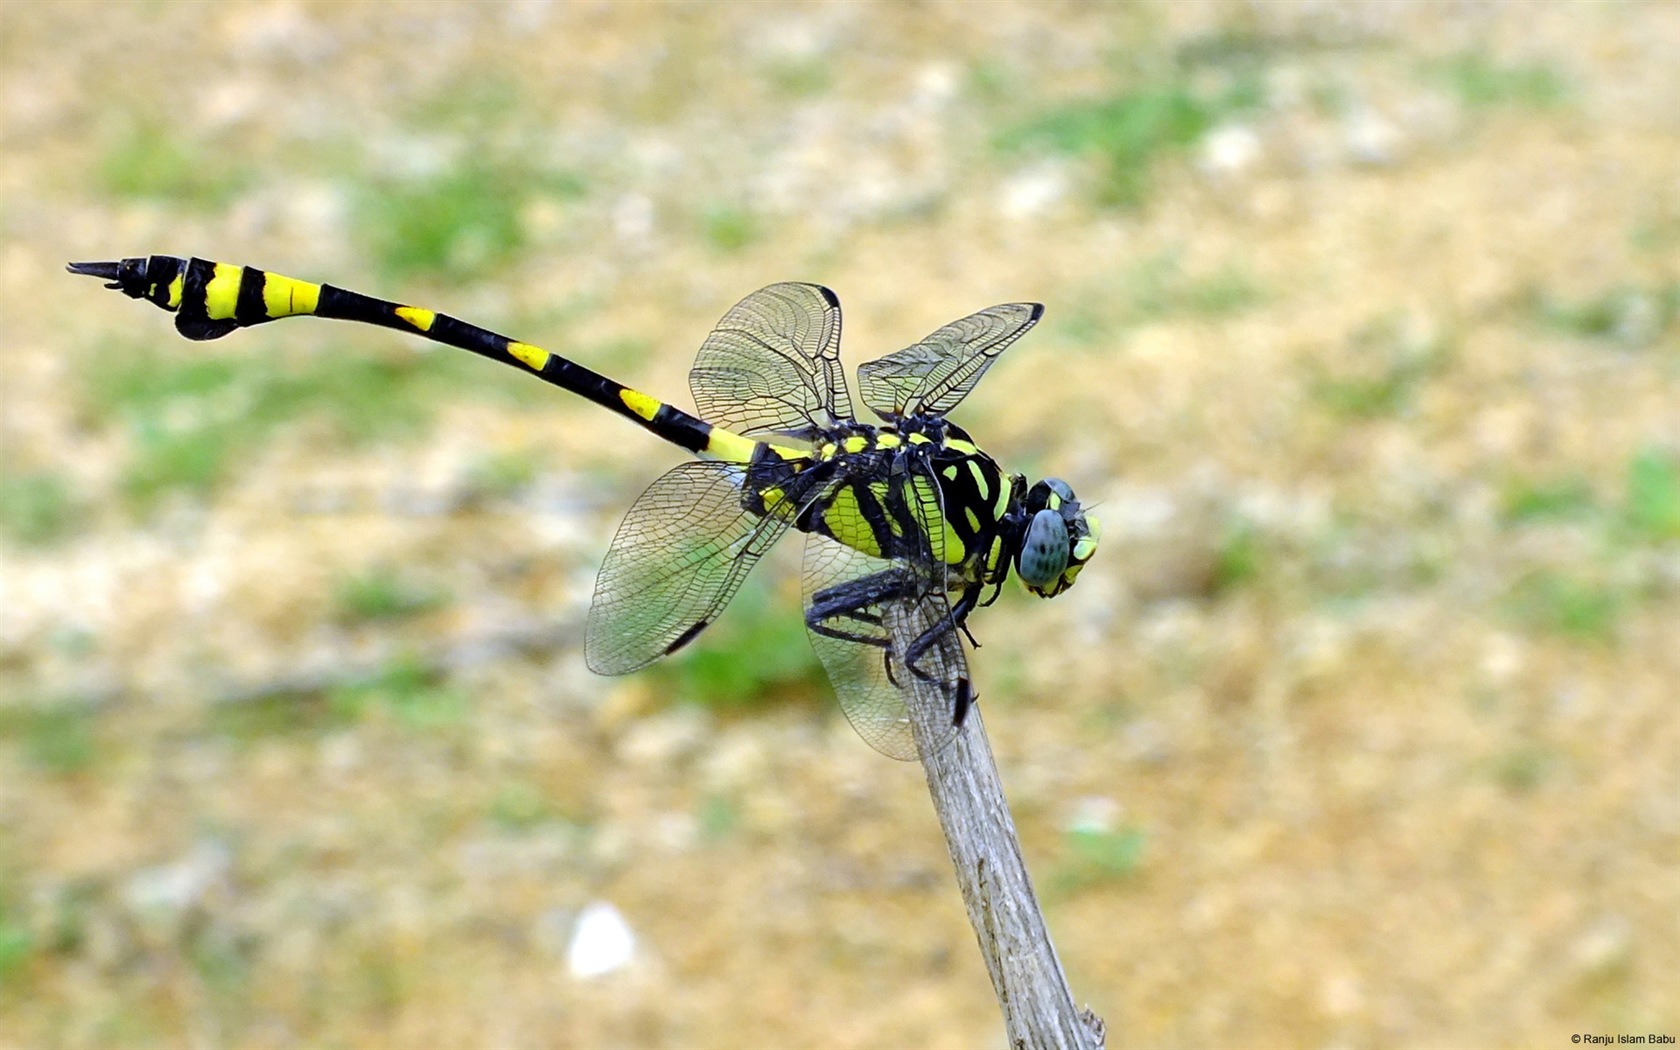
[1044, 551]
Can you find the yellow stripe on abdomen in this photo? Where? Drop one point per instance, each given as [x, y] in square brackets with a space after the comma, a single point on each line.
[422, 319]
[729, 447]
[641, 404]
[221, 292]
[532, 357]
[288, 296]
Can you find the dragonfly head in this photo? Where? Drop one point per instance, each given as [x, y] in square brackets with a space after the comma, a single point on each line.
[1057, 538]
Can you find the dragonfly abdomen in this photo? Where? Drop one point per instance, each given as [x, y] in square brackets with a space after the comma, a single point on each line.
[211, 299]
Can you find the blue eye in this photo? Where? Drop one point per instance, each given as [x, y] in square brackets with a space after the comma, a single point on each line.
[1059, 487]
[1044, 551]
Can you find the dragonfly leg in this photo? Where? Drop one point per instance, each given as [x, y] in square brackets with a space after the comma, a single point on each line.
[851, 601]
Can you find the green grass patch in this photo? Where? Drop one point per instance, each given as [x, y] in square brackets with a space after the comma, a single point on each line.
[1524, 768]
[1157, 289]
[405, 691]
[1653, 494]
[37, 509]
[504, 474]
[17, 944]
[278, 714]
[460, 224]
[1657, 232]
[1386, 367]
[519, 807]
[60, 739]
[1162, 288]
[460, 204]
[1092, 857]
[1525, 499]
[381, 980]
[222, 961]
[718, 818]
[1132, 130]
[1482, 82]
[1567, 605]
[756, 653]
[730, 229]
[383, 594]
[800, 78]
[1240, 559]
[152, 162]
[191, 419]
[1367, 397]
[1633, 316]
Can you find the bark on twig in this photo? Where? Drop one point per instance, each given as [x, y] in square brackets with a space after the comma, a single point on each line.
[1038, 1007]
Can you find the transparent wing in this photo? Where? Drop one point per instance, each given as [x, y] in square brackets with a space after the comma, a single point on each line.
[679, 556]
[773, 363]
[888, 610]
[935, 374]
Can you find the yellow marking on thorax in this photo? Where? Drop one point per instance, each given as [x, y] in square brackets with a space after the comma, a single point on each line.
[981, 485]
[878, 489]
[995, 554]
[887, 441]
[828, 450]
[284, 296]
[422, 319]
[1087, 544]
[950, 472]
[221, 292]
[856, 443]
[846, 522]
[947, 545]
[1001, 507]
[535, 357]
[176, 289]
[919, 439]
[973, 519]
[967, 448]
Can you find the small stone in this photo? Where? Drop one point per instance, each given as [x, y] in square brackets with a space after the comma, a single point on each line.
[601, 942]
[1229, 150]
[163, 896]
[1032, 192]
[1092, 815]
[1604, 947]
[1371, 139]
[665, 738]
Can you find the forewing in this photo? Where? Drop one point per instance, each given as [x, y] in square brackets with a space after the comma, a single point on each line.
[880, 702]
[772, 365]
[679, 556]
[935, 374]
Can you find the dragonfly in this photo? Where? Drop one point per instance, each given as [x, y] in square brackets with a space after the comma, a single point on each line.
[909, 525]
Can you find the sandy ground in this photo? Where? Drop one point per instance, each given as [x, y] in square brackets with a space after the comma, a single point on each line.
[1363, 729]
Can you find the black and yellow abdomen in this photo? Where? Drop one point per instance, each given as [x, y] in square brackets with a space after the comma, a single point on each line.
[211, 299]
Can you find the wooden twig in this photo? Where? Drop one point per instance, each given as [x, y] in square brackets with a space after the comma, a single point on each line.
[1032, 990]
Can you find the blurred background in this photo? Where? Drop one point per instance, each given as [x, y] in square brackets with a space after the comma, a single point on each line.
[1363, 331]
